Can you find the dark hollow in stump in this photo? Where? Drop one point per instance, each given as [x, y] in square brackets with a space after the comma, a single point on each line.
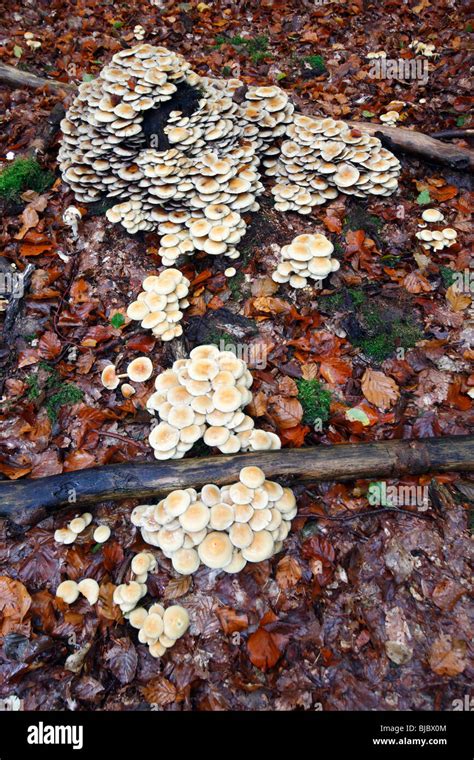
[26, 502]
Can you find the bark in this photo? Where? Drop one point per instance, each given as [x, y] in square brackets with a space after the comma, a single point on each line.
[408, 141]
[14, 77]
[29, 501]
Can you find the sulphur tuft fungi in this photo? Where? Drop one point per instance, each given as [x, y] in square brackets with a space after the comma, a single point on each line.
[221, 528]
[159, 306]
[437, 239]
[183, 154]
[76, 526]
[307, 257]
[102, 534]
[203, 397]
[69, 591]
[127, 595]
[159, 628]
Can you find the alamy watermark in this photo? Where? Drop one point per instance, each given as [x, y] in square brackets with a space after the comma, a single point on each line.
[12, 284]
[414, 69]
[382, 495]
[253, 355]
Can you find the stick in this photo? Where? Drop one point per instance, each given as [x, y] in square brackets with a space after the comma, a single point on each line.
[419, 144]
[29, 501]
[14, 77]
[393, 137]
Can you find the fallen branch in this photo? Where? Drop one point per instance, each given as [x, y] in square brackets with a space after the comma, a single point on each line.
[419, 144]
[14, 77]
[29, 501]
[393, 138]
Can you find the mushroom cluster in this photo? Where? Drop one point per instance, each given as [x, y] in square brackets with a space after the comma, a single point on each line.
[159, 305]
[69, 534]
[139, 370]
[216, 231]
[437, 239]
[307, 256]
[222, 528]
[159, 628]
[203, 397]
[127, 595]
[69, 591]
[323, 157]
[166, 144]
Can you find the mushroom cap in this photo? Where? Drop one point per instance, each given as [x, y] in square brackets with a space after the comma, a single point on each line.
[227, 399]
[240, 493]
[210, 494]
[166, 380]
[163, 437]
[222, 516]
[196, 517]
[140, 369]
[153, 626]
[236, 564]
[286, 502]
[109, 378]
[137, 310]
[156, 649]
[216, 550]
[68, 591]
[101, 534]
[216, 436]
[90, 589]
[170, 540]
[77, 525]
[243, 512]
[131, 592]
[346, 175]
[252, 477]
[241, 535]
[137, 617]
[176, 622]
[127, 390]
[177, 502]
[141, 563]
[185, 561]
[261, 547]
[65, 536]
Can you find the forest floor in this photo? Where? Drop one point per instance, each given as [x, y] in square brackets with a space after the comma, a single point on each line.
[359, 611]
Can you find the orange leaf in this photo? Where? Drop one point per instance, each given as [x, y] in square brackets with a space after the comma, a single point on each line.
[415, 282]
[458, 301]
[34, 250]
[288, 572]
[286, 412]
[49, 345]
[15, 602]
[379, 389]
[335, 371]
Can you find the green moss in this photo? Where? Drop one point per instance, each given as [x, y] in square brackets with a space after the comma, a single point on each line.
[57, 393]
[23, 174]
[317, 63]
[67, 394]
[379, 347]
[315, 401]
[359, 218]
[117, 320]
[383, 336]
[235, 286]
[255, 47]
[220, 338]
[358, 296]
[447, 276]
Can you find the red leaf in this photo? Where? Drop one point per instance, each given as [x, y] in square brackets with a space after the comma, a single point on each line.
[49, 345]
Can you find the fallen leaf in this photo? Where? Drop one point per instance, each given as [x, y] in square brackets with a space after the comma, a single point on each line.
[379, 389]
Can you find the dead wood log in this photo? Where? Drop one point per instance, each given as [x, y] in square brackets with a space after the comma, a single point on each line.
[14, 77]
[29, 501]
[395, 138]
[424, 146]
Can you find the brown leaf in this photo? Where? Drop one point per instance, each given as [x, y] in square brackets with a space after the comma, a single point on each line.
[335, 371]
[415, 282]
[177, 587]
[49, 345]
[379, 389]
[15, 602]
[288, 572]
[448, 656]
[458, 301]
[264, 647]
[159, 691]
[231, 620]
[286, 412]
[269, 305]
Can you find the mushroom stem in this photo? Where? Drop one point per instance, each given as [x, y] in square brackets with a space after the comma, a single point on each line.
[29, 501]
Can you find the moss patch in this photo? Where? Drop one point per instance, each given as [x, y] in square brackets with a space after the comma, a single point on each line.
[255, 47]
[315, 401]
[48, 385]
[23, 174]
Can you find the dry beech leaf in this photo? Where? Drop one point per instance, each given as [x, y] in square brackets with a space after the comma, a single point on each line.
[288, 572]
[286, 412]
[15, 602]
[458, 301]
[448, 656]
[177, 587]
[415, 282]
[379, 389]
[159, 691]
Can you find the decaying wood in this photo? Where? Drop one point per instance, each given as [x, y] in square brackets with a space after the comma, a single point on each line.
[29, 501]
[394, 138]
[14, 77]
[424, 146]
